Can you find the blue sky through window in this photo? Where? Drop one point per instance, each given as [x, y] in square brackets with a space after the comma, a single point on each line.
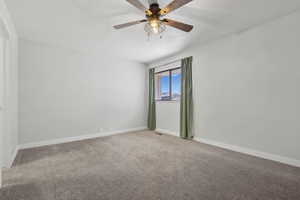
[165, 81]
[176, 84]
[163, 85]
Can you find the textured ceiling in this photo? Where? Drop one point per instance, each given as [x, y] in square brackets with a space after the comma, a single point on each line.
[86, 25]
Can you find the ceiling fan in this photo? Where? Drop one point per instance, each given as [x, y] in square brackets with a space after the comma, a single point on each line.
[154, 23]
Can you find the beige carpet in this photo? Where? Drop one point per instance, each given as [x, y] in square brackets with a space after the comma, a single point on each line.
[144, 166]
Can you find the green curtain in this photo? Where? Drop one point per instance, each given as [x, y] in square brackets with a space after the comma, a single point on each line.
[151, 100]
[186, 103]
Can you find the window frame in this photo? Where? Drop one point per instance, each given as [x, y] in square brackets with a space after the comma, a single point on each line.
[170, 83]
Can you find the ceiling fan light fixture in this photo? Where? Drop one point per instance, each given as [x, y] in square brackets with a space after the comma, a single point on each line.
[155, 27]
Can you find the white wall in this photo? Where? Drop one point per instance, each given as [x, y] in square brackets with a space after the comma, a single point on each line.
[246, 88]
[2, 64]
[64, 93]
[10, 86]
[167, 116]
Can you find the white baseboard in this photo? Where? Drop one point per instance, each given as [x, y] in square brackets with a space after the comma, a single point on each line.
[268, 156]
[264, 155]
[168, 132]
[12, 158]
[76, 138]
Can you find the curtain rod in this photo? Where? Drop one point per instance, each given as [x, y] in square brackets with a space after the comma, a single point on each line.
[162, 65]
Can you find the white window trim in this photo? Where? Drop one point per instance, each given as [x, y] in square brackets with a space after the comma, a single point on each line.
[169, 66]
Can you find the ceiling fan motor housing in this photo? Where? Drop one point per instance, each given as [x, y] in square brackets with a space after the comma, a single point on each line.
[155, 11]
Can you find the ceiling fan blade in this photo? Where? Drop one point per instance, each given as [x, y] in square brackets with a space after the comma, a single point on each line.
[178, 25]
[137, 4]
[129, 24]
[173, 6]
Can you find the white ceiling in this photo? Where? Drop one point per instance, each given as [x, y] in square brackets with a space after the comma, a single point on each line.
[86, 25]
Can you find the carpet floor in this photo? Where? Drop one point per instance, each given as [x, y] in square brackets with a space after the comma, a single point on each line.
[145, 166]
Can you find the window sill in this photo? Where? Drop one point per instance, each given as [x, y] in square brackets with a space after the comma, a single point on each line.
[167, 101]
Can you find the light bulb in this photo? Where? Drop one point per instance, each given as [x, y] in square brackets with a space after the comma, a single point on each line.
[155, 26]
[155, 30]
[154, 23]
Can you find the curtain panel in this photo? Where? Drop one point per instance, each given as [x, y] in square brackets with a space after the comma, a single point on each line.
[186, 103]
[151, 101]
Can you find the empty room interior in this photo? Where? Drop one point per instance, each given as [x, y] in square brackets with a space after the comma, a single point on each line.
[149, 100]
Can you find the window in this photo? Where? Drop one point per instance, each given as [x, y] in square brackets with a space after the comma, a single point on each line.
[168, 85]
